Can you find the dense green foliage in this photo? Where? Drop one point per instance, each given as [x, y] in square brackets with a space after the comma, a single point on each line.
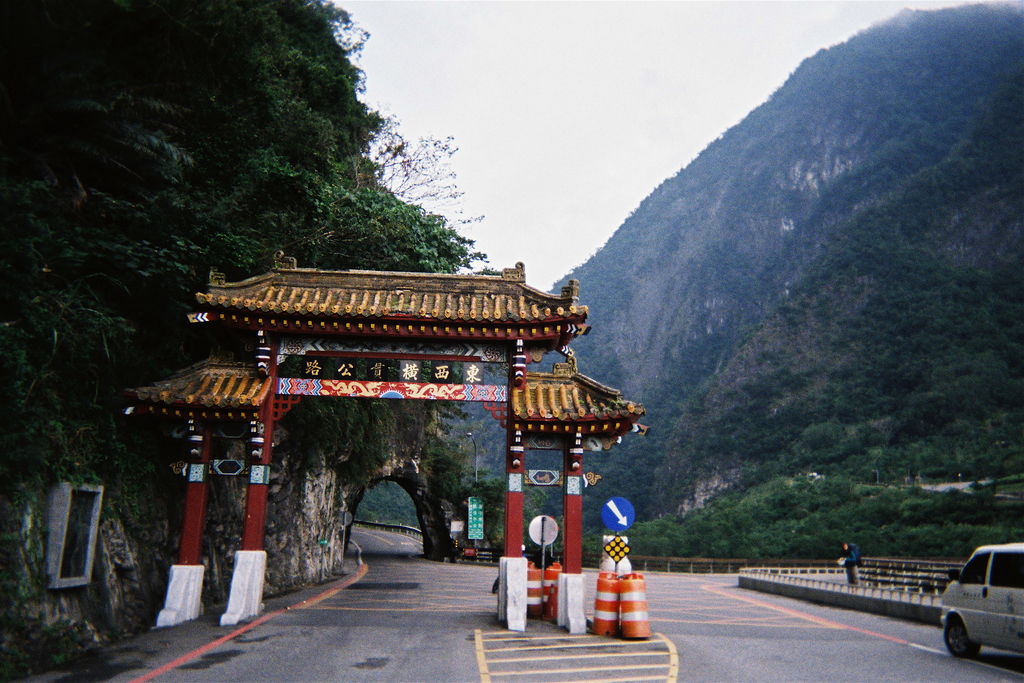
[142, 143]
[388, 503]
[809, 517]
[833, 286]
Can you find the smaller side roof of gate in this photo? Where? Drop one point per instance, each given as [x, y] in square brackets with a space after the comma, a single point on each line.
[564, 400]
[212, 388]
[291, 290]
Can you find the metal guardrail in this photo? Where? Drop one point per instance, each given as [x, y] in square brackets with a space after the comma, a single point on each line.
[899, 577]
[397, 528]
[706, 565]
[837, 584]
[712, 565]
[921, 576]
[887, 578]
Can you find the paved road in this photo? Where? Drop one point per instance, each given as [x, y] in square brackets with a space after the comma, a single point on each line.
[406, 619]
[725, 633]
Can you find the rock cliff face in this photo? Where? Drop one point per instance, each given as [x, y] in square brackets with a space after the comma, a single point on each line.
[307, 497]
[714, 251]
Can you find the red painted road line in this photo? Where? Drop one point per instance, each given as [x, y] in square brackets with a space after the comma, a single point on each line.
[804, 615]
[169, 666]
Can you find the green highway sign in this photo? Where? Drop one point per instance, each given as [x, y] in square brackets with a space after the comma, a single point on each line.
[476, 519]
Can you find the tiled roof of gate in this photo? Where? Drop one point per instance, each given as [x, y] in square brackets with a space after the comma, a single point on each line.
[565, 395]
[379, 294]
[212, 383]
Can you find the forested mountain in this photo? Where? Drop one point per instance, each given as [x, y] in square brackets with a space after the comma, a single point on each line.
[834, 285]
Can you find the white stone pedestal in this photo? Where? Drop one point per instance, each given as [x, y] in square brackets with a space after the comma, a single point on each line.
[246, 598]
[184, 595]
[570, 603]
[512, 592]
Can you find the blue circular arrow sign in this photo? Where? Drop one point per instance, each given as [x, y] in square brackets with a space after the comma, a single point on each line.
[618, 514]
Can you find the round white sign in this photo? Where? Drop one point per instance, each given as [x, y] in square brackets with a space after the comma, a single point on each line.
[543, 530]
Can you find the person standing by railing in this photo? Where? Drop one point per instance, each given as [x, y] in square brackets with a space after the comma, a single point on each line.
[850, 560]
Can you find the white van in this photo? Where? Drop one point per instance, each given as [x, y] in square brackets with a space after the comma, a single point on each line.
[984, 602]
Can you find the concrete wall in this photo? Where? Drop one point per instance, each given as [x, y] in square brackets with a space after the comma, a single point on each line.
[900, 604]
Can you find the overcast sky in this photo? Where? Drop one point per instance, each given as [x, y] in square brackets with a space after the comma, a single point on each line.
[568, 114]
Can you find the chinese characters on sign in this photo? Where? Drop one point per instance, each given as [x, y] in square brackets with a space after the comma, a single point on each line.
[476, 519]
[392, 370]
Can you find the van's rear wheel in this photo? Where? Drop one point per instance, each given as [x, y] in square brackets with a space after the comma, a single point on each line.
[957, 640]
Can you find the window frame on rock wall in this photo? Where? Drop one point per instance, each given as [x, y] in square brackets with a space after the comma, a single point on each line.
[73, 523]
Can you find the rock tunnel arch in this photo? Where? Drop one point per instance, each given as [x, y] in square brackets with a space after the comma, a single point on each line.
[433, 513]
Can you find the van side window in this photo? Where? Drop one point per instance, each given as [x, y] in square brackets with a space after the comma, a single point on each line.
[974, 570]
[1008, 570]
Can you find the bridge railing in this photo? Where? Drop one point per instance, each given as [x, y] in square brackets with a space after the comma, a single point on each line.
[709, 565]
[927, 577]
[920, 576]
[906, 575]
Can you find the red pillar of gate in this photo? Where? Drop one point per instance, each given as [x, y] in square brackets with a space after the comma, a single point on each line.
[259, 477]
[514, 470]
[256, 492]
[190, 547]
[515, 461]
[572, 502]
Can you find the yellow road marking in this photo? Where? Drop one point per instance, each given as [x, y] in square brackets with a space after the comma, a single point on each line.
[559, 636]
[590, 655]
[582, 669]
[558, 657]
[824, 623]
[631, 679]
[673, 671]
[379, 537]
[777, 623]
[481, 659]
[603, 643]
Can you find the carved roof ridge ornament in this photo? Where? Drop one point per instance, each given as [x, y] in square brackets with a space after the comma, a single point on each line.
[282, 262]
[572, 290]
[515, 274]
[570, 367]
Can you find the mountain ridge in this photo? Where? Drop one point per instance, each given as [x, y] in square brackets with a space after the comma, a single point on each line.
[714, 251]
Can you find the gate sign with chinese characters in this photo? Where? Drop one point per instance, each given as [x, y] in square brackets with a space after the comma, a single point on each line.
[317, 366]
[476, 519]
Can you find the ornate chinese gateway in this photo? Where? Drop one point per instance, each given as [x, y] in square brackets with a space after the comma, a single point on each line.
[370, 334]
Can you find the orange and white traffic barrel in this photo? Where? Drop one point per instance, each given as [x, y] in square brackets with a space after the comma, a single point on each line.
[606, 605]
[534, 591]
[633, 618]
[551, 590]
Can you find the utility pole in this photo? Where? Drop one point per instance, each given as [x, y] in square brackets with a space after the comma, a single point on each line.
[476, 462]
